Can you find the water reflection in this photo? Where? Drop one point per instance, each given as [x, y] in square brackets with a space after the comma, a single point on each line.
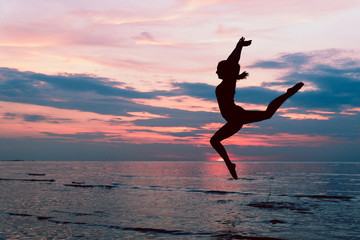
[177, 199]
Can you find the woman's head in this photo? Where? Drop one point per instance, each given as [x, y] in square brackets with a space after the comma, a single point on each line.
[228, 70]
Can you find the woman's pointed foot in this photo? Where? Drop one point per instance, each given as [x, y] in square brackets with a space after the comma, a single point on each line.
[295, 88]
[247, 43]
[231, 167]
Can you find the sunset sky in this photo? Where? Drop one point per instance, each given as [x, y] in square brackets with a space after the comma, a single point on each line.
[135, 80]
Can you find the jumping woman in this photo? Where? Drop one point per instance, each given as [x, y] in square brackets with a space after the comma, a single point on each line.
[228, 70]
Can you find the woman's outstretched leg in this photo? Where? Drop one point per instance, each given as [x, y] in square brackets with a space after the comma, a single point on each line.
[225, 132]
[277, 102]
[258, 116]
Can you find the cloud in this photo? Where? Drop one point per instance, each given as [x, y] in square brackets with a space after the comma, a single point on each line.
[9, 116]
[74, 91]
[269, 64]
[302, 116]
[34, 118]
[100, 95]
[292, 60]
[42, 118]
[127, 115]
[280, 139]
[80, 135]
[221, 30]
[30, 84]
[351, 111]
[254, 95]
[147, 38]
[89, 93]
[199, 90]
[336, 79]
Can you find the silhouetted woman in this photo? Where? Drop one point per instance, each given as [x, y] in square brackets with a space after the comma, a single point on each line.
[228, 70]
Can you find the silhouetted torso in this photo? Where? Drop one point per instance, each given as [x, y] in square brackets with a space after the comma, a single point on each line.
[225, 93]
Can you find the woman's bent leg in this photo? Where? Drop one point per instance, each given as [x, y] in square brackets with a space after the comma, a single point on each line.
[225, 132]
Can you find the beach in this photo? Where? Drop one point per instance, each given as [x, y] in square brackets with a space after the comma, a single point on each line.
[178, 200]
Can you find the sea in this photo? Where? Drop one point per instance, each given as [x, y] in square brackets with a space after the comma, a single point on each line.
[179, 200]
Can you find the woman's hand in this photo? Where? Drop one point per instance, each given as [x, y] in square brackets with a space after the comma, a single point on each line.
[244, 43]
[243, 75]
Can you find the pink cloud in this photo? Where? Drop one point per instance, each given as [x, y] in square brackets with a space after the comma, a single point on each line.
[147, 38]
[280, 139]
[321, 112]
[351, 111]
[180, 102]
[116, 129]
[216, 126]
[305, 116]
[221, 30]
[52, 119]
[49, 123]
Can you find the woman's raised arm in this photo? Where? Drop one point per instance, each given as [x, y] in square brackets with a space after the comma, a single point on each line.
[234, 57]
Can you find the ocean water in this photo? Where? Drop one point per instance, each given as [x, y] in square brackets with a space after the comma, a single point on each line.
[179, 200]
